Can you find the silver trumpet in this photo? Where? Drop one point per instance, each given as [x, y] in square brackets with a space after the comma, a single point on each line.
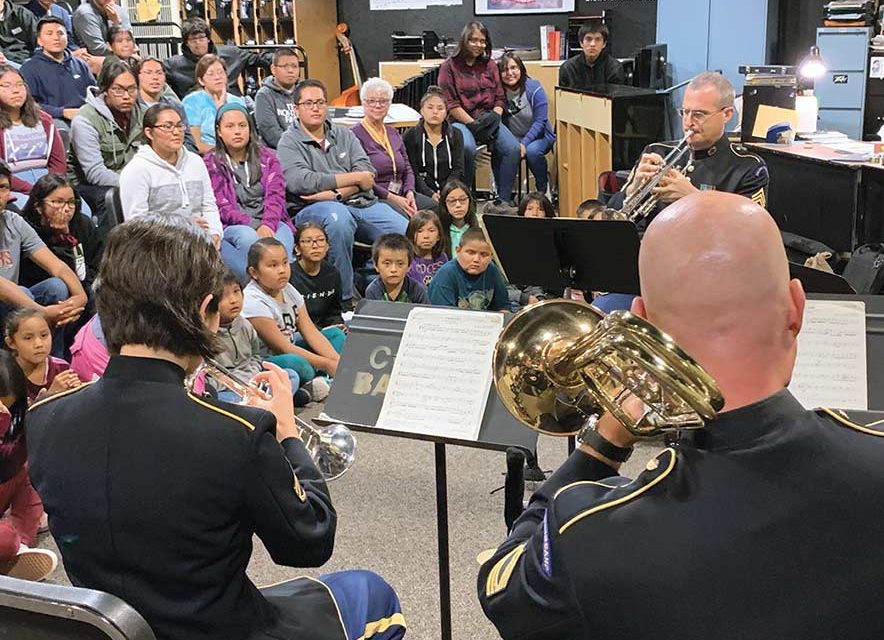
[643, 201]
[332, 448]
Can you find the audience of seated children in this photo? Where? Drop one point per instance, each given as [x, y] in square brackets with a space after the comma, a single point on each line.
[394, 179]
[18, 32]
[279, 315]
[471, 280]
[316, 278]
[275, 101]
[153, 89]
[196, 41]
[434, 147]
[427, 237]
[105, 135]
[249, 188]
[30, 144]
[19, 503]
[457, 213]
[43, 8]
[240, 346]
[58, 80]
[165, 178]
[93, 20]
[533, 205]
[329, 180]
[392, 254]
[60, 296]
[527, 116]
[28, 336]
[476, 101]
[202, 106]
[52, 211]
[122, 46]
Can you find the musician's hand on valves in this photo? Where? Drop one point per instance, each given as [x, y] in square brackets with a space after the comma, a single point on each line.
[674, 185]
[278, 401]
[647, 168]
[611, 430]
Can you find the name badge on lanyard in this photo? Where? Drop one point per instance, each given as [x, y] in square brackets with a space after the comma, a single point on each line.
[395, 186]
[80, 262]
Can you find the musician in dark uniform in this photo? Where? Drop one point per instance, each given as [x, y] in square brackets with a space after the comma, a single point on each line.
[717, 164]
[764, 524]
[153, 493]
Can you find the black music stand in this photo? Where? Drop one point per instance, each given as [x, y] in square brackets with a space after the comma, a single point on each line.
[357, 396]
[555, 253]
[816, 281]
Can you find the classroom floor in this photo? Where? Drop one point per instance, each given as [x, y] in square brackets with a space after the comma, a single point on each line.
[387, 522]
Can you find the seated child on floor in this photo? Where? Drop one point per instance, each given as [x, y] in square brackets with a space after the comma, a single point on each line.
[425, 232]
[471, 280]
[315, 278]
[392, 254]
[241, 348]
[28, 336]
[280, 316]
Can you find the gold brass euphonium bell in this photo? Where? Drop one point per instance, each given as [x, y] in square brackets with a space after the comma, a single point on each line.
[559, 362]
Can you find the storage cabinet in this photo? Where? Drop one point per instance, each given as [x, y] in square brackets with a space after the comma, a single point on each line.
[841, 90]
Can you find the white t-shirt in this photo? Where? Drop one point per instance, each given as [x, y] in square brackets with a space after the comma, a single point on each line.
[257, 304]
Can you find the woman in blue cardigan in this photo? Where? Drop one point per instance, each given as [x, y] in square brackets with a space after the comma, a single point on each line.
[527, 116]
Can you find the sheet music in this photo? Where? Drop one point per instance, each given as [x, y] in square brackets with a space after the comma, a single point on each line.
[441, 373]
[830, 370]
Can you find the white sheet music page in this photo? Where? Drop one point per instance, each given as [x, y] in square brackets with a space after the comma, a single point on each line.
[830, 370]
[441, 373]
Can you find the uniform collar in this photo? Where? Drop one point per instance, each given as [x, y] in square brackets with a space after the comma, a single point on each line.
[144, 370]
[716, 148]
[733, 429]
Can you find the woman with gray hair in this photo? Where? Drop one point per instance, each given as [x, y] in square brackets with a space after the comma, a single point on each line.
[394, 183]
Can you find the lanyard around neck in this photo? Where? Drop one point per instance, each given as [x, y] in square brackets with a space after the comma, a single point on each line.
[383, 140]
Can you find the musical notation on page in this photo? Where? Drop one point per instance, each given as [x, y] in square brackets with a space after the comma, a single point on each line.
[441, 373]
[830, 370]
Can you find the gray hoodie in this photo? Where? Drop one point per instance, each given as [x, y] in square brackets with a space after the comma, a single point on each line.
[150, 184]
[310, 169]
[240, 349]
[274, 111]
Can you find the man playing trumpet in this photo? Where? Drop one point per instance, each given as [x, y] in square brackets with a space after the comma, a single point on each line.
[716, 165]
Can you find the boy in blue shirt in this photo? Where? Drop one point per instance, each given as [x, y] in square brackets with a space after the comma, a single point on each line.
[392, 254]
[471, 280]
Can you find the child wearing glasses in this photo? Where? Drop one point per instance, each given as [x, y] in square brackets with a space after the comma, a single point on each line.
[457, 213]
[315, 278]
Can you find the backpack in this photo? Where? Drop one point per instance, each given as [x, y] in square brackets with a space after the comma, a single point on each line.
[865, 271]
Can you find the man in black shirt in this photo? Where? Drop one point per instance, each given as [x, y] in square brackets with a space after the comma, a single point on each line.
[594, 67]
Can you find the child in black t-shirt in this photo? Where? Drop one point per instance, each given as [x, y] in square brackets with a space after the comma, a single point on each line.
[315, 278]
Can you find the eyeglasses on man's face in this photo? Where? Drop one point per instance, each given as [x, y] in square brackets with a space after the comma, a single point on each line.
[697, 115]
[119, 92]
[313, 104]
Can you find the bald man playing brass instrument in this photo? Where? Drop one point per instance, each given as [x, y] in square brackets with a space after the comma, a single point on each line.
[715, 163]
[764, 524]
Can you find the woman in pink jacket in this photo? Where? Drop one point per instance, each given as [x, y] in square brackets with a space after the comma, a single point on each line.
[249, 188]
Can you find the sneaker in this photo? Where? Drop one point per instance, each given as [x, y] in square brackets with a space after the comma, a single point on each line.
[500, 208]
[318, 388]
[30, 564]
[302, 397]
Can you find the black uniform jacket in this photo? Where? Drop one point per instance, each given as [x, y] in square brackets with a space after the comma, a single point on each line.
[767, 525]
[153, 495]
[725, 166]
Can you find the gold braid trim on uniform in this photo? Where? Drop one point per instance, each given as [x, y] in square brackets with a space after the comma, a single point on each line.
[623, 499]
[60, 394]
[745, 152]
[379, 626]
[232, 416]
[759, 198]
[847, 422]
[500, 574]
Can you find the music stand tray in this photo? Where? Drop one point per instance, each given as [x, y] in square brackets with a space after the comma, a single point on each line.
[817, 281]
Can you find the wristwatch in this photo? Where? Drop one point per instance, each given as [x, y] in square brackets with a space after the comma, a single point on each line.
[588, 435]
[338, 195]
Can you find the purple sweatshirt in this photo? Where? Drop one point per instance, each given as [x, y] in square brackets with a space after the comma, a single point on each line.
[224, 186]
[422, 270]
[383, 163]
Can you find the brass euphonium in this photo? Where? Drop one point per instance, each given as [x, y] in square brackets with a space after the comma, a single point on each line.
[332, 448]
[559, 363]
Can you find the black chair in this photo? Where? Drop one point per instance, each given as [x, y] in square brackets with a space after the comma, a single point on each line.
[40, 611]
[113, 209]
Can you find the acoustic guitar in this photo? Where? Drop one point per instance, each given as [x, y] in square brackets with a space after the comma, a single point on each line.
[350, 96]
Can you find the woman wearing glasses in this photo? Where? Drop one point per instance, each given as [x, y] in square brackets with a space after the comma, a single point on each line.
[29, 142]
[202, 106]
[249, 188]
[165, 178]
[104, 136]
[394, 182]
[474, 95]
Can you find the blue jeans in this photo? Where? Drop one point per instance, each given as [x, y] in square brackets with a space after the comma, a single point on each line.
[45, 293]
[237, 240]
[535, 158]
[505, 156]
[342, 223]
[226, 395]
[299, 364]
